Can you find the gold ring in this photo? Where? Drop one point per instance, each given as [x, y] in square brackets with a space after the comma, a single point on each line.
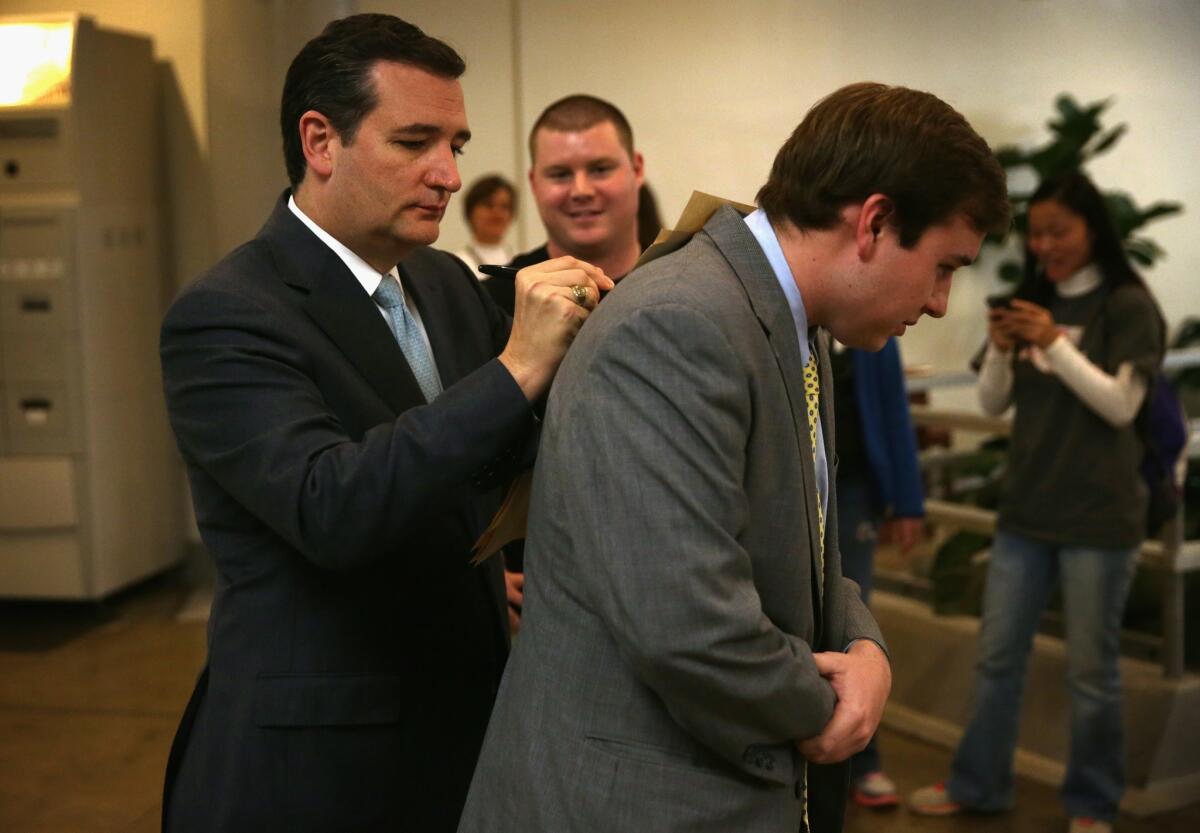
[581, 294]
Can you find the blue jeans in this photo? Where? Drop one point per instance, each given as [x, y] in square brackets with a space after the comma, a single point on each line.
[1095, 584]
[858, 531]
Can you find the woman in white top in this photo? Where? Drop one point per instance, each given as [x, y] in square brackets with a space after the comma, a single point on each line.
[489, 206]
[1074, 354]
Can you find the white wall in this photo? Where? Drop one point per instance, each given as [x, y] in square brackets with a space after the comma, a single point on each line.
[248, 47]
[713, 89]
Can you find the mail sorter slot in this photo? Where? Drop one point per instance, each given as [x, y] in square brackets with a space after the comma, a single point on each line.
[37, 493]
[30, 236]
[35, 358]
[38, 306]
[39, 418]
[33, 152]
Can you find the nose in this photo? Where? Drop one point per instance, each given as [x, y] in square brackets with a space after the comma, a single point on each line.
[939, 301]
[443, 172]
[581, 186]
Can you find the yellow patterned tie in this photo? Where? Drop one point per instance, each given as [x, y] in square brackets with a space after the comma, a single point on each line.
[812, 403]
[812, 400]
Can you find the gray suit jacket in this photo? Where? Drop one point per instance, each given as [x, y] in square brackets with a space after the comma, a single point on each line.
[664, 667]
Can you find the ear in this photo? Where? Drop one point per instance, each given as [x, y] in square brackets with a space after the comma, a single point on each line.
[319, 141]
[639, 168]
[871, 219]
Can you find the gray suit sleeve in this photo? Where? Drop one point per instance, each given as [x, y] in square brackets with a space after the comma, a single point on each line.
[860, 624]
[661, 419]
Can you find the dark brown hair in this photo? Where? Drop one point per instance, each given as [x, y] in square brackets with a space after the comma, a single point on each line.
[483, 189]
[908, 145]
[331, 75]
[649, 220]
[579, 112]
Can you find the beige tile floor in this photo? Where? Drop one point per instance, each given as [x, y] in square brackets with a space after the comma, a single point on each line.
[90, 696]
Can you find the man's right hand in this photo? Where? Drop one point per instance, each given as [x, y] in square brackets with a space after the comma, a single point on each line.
[546, 318]
[861, 679]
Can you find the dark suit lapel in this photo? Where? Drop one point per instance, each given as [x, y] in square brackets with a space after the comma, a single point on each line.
[341, 308]
[338, 305]
[428, 292]
[743, 253]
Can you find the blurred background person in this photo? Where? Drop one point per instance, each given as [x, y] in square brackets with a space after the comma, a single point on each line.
[490, 206]
[649, 221]
[878, 484]
[1074, 353]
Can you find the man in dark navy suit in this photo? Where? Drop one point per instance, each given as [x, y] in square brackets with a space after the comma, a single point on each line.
[348, 403]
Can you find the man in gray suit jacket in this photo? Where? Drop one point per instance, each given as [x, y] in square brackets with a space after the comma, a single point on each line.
[691, 658]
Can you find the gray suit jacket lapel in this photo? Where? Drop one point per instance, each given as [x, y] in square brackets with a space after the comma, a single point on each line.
[745, 256]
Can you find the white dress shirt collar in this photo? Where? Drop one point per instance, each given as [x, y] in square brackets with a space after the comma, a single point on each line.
[764, 233]
[363, 272]
[1081, 282]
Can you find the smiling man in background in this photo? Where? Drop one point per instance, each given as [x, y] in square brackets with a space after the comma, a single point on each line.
[585, 176]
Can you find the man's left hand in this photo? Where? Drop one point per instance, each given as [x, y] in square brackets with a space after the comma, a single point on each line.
[861, 678]
[905, 532]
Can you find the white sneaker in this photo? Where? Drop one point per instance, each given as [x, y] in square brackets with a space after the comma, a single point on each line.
[875, 791]
[934, 801]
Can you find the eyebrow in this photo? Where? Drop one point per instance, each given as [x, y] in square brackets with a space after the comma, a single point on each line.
[422, 129]
[597, 160]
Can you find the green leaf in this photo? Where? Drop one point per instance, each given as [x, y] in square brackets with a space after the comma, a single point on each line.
[1143, 250]
[1123, 212]
[1020, 222]
[1080, 126]
[1128, 218]
[1108, 140]
[1161, 209]
[1140, 258]
[1066, 106]
[1011, 156]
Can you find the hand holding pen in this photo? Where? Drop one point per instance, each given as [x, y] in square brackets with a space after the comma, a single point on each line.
[552, 301]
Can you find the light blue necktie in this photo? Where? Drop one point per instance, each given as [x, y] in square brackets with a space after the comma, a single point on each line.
[408, 335]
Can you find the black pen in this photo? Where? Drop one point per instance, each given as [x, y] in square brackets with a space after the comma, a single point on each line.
[498, 271]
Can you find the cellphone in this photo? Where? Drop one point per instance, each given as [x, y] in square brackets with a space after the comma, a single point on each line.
[999, 301]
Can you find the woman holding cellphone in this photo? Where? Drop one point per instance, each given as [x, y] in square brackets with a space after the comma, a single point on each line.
[1074, 353]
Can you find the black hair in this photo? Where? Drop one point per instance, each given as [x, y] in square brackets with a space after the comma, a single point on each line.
[331, 75]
